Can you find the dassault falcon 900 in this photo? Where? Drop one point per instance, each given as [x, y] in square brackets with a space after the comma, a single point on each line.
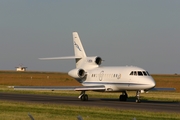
[95, 77]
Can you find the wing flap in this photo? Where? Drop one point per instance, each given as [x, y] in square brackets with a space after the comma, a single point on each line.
[76, 88]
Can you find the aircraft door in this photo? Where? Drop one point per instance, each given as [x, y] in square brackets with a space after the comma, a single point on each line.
[101, 75]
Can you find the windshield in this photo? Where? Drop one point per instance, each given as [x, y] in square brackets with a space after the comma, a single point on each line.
[139, 73]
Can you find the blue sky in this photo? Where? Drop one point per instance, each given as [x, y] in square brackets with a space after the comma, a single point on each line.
[128, 32]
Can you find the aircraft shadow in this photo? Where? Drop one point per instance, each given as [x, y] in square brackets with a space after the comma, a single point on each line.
[132, 99]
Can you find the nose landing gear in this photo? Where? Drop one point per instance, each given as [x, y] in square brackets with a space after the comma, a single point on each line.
[138, 96]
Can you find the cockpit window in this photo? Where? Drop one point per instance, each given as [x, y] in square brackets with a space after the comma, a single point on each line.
[135, 73]
[139, 73]
[147, 73]
[144, 72]
[131, 73]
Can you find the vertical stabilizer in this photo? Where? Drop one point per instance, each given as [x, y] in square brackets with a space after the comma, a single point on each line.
[78, 48]
[78, 51]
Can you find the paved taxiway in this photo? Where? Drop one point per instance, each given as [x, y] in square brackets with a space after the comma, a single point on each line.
[112, 103]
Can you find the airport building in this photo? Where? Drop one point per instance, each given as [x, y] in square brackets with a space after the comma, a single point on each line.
[20, 68]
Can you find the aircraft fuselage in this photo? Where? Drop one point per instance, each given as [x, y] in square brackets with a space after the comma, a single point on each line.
[119, 78]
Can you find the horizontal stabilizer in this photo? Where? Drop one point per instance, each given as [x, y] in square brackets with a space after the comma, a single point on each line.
[60, 58]
[76, 88]
[162, 89]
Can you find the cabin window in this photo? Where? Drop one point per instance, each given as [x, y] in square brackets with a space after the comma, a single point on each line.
[93, 75]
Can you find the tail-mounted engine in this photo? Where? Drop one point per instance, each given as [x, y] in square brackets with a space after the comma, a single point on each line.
[80, 73]
[77, 73]
[94, 60]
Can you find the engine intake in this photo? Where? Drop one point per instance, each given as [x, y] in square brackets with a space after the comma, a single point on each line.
[77, 73]
[98, 60]
[94, 60]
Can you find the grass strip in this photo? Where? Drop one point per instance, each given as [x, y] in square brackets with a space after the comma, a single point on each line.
[19, 111]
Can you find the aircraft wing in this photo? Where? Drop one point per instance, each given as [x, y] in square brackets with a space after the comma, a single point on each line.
[76, 88]
[162, 89]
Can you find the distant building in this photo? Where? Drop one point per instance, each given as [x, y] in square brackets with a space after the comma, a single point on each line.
[20, 68]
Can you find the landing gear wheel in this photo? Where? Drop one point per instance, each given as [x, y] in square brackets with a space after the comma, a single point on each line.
[138, 101]
[138, 97]
[123, 97]
[84, 97]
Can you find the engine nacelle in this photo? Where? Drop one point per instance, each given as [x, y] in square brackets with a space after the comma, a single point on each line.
[77, 73]
[94, 60]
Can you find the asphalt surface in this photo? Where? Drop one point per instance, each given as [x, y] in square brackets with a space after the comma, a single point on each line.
[154, 106]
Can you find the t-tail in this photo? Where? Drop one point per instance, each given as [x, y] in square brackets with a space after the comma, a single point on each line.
[82, 61]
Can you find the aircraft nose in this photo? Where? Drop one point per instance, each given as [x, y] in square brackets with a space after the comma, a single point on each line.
[151, 82]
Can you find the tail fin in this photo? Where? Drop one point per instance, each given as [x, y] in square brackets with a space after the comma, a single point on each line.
[80, 55]
[78, 48]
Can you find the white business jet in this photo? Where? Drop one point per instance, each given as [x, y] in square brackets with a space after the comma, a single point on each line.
[94, 77]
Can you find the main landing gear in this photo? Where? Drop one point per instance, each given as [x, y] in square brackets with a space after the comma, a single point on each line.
[123, 96]
[83, 96]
